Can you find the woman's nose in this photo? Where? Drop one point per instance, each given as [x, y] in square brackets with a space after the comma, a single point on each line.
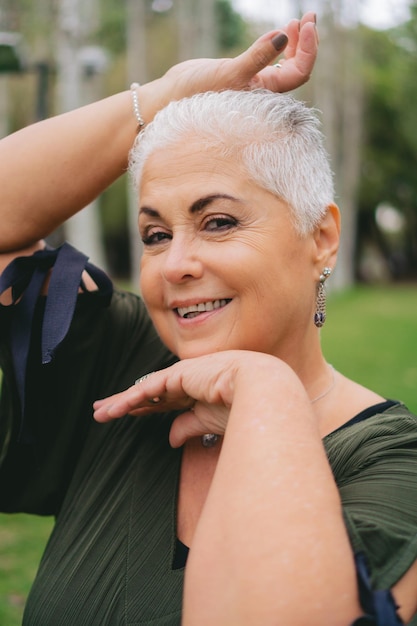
[182, 261]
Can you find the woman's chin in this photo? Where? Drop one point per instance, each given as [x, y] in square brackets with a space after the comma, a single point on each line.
[196, 350]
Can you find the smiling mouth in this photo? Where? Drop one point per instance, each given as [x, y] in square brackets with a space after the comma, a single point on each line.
[194, 310]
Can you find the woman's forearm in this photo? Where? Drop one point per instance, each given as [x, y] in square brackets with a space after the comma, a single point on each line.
[271, 546]
[78, 154]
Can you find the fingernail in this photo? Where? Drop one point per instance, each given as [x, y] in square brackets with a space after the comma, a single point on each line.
[315, 18]
[280, 41]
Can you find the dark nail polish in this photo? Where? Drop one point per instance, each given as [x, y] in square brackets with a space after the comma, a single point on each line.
[280, 41]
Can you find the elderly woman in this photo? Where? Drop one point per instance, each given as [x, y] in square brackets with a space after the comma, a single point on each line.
[68, 338]
[304, 512]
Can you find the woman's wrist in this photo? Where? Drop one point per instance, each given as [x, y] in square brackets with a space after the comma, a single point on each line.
[151, 98]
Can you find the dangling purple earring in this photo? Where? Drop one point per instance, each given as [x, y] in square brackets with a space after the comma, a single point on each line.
[320, 314]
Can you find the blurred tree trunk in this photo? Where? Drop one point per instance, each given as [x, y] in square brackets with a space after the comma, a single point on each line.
[336, 90]
[8, 23]
[75, 24]
[338, 94]
[4, 105]
[206, 45]
[137, 71]
[197, 28]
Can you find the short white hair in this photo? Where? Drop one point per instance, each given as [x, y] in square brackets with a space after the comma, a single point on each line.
[275, 137]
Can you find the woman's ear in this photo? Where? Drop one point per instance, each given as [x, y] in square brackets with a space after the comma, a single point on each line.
[327, 237]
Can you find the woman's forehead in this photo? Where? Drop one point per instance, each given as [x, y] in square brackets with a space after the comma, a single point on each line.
[180, 164]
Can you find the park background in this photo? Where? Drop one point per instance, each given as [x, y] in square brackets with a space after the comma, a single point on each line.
[56, 55]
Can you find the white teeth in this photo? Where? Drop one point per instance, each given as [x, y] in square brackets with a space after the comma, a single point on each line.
[202, 307]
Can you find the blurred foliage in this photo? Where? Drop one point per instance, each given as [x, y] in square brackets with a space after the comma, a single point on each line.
[406, 38]
[28, 18]
[112, 30]
[231, 31]
[389, 153]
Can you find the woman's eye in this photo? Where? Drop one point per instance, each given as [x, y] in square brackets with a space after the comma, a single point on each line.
[220, 222]
[154, 236]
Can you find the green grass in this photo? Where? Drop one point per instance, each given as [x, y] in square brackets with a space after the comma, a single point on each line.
[22, 541]
[370, 335]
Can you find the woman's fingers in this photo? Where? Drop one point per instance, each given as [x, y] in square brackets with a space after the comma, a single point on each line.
[203, 418]
[258, 56]
[139, 401]
[298, 61]
[305, 53]
[146, 396]
[310, 16]
[176, 387]
[198, 420]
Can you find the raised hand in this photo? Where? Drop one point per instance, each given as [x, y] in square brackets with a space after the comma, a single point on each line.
[201, 387]
[204, 388]
[251, 69]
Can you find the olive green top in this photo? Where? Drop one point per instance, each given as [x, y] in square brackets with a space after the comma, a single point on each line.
[113, 487]
[375, 466]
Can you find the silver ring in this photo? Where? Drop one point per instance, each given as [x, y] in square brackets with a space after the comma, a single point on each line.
[209, 440]
[142, 378]
[277, 65]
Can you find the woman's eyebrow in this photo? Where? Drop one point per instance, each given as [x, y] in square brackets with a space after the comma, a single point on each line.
[147, 210]
[201, 203]
[196, 206]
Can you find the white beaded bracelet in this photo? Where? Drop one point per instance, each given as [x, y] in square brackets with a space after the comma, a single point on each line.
[136, 110]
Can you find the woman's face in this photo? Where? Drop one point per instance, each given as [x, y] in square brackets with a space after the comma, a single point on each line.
[223, 267]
